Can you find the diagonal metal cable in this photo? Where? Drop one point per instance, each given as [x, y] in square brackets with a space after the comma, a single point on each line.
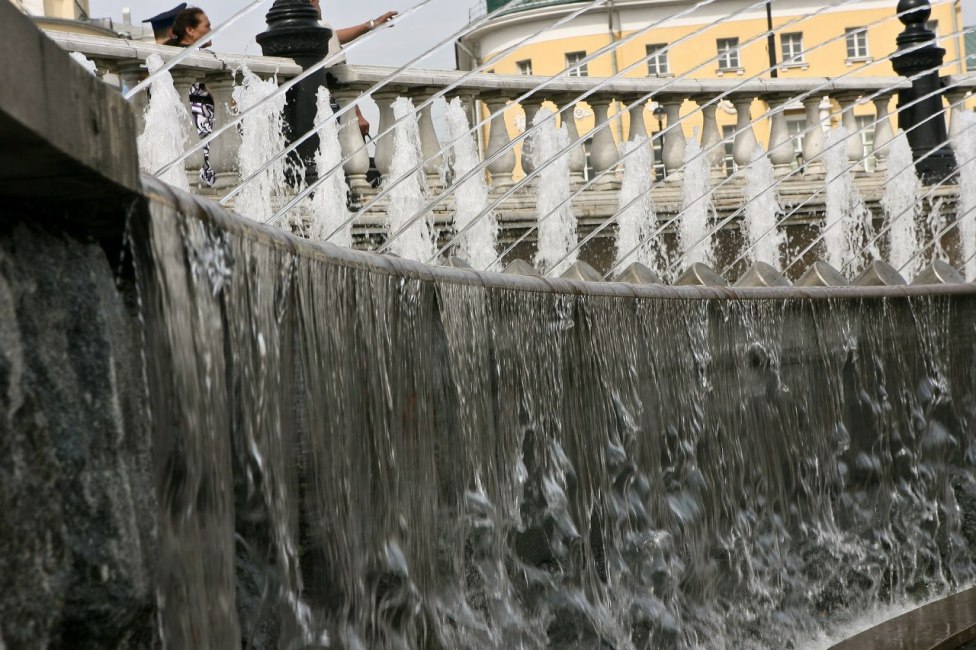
[492, 157]
[566, 149]
[185, 52]
[285, 87]
[705, 152]
[335, 169]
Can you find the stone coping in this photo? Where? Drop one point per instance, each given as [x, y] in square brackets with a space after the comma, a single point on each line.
[211, 212]
[945, 624]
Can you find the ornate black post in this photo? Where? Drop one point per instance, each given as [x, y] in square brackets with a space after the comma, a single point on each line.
[294, 32]
[923, 121]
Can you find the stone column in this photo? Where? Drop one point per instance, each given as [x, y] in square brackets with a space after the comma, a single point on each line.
[956, 98]
[384, 145]
[131, 73]
[781, 151]
[351, 141]
[429, 144]
[745, 143]
[223, 150]
[813, 140]
[577, 157]
[498, 141]
[852, 146]
[603, 148]
[673, 151]
[883, 133]
[530, 107]
[711, 136]
[637, 127]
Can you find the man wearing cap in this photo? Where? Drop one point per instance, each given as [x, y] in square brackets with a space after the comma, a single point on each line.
[163, 23]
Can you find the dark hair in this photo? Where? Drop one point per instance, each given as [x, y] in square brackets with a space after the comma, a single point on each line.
[186, 19]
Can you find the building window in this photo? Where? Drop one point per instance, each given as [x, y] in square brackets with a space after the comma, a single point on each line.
[796, 128]
[792, 47]
[572, 61]
[657, 60]
[524, 67]
[728, 54]
[865, 129]
[728, 143]
[857, 42]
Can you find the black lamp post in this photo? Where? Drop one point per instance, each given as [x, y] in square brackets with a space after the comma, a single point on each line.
[294, 32]
[923, 121]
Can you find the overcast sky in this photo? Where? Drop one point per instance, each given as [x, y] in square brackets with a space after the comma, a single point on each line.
[413, 35]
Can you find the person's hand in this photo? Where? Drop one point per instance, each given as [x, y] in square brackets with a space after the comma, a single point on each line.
[363, 124]
[385, 18]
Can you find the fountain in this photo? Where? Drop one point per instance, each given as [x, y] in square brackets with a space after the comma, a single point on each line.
[901, 205]
[966, 163]
[217, 433]
[167, 127]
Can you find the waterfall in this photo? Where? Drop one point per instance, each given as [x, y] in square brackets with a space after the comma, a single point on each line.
[764, 239]
[557, 232]
[409, 196]
[847, 223]
[637, 222]
[902, 207]
[965, 151]
[477, 246]
[167, 128]
[694, 239]
[262, 134]
[398, 460]
[329, 210]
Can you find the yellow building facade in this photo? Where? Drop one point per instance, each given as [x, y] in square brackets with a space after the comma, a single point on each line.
[725, 39]
[59, 9]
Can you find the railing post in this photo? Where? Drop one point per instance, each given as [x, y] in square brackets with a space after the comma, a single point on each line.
[498, 141]
[294, 32]
[744, 144]
[711, 137]
[673, 152]
[852, 146]
[781, 150]
[577, 157]
[919, 58]
[813, 140]
[883, 134]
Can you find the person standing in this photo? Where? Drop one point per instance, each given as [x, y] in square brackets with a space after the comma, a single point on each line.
[162, 24]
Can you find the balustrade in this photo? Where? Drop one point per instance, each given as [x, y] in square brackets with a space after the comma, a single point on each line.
[122, 62]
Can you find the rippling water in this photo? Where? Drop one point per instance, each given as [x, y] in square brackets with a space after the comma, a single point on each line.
[355, 459]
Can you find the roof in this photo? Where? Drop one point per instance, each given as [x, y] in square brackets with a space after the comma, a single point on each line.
[522, 5]
[971, 48]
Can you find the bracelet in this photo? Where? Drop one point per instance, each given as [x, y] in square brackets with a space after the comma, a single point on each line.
[372, 24]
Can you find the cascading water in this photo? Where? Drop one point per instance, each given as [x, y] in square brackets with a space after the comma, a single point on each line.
[167, 128]
[694, 239]
[965, 152]
[261, 131]
[85, 62]
[637, 222]
[409, 196]
[847, 223]
[764, 239]
[902, 207]
[557, 231]
[418, 462]
[478, 244]
[329, 210]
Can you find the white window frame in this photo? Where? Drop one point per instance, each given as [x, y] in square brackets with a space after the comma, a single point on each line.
[856, 40]
[794, 54]
[728, 53]
[524, 67]
[657, 60]
[572, 58]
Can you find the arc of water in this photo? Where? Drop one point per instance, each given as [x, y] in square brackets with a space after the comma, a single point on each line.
[529, 129]
[931, 190]
[288, 85]
[817, 192]
[529, 177]
[185, 52]
[806, 130]
[707, 151]
[494, 59]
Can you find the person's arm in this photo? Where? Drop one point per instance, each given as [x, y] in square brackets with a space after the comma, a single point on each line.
[350, 34]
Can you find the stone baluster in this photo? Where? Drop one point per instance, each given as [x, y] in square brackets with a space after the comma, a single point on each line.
[781, 151]
[351, 141]
[673, 152]
[637, 127]
[956, 98]
[603, 148]
[183, 80]
[131, 72]
[429, 144]
[852, 145]
[711, 136]
[223, 150]
[577, 157]
[499, 141]
[530, 107]
[385, 144]
[813, 139]
[744, 144]
[883, 133]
